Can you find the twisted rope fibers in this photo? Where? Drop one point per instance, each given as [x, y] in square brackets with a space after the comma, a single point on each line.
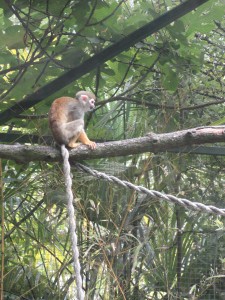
[72, 221]
[196, 206]
[140, 189]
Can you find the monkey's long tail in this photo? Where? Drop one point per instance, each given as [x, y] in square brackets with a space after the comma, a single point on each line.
[72, 221]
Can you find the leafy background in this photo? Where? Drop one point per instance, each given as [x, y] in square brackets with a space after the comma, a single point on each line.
[131, 246]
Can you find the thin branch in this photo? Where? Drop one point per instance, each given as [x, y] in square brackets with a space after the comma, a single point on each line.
[158, 106]
[100, 58]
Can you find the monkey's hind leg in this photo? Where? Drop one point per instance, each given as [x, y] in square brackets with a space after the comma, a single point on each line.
[73, 130]
[73, 142]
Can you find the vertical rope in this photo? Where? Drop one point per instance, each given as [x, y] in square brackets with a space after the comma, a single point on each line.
[72, 221]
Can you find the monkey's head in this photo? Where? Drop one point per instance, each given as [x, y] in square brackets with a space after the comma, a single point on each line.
[86, 99]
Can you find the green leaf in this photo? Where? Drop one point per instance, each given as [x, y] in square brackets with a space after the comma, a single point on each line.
[170, 79]
[14, 37]
[147, 60]
[202, 19]
[73, 57]
[218, 122]
[106, 70]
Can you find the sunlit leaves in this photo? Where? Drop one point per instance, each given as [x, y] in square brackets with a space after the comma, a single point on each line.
[202, 20]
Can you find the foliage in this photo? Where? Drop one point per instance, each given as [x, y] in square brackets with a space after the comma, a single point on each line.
[131, 246]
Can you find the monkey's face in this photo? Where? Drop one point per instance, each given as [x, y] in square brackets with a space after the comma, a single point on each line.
[92, 103]
[87, 102]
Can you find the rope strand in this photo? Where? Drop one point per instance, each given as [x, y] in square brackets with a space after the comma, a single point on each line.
[140, 189]
[72, 222]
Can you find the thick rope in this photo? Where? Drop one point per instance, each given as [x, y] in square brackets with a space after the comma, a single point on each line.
[72, 222]
[140, 189]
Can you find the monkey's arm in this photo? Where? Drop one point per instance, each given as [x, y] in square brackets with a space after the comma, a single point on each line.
[85, 140]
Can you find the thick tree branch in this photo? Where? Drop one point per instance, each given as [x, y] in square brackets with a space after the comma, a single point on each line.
[150, 143]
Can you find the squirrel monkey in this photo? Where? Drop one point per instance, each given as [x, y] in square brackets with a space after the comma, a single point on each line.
[66, 119]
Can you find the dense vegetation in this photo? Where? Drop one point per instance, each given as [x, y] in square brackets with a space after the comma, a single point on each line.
[132, 247]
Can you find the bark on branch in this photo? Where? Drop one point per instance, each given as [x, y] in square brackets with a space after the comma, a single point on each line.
[150, 143]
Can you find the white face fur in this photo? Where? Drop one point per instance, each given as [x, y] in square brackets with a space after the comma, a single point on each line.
[88, 104]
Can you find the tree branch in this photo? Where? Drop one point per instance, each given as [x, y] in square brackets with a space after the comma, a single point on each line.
[150, 143]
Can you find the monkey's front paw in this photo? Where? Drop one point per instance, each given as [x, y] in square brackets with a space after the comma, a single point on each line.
[91, 145]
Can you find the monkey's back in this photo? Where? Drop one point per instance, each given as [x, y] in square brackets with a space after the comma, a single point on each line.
[58, 116]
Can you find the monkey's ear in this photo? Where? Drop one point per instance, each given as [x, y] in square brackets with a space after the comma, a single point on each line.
[84, 97]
